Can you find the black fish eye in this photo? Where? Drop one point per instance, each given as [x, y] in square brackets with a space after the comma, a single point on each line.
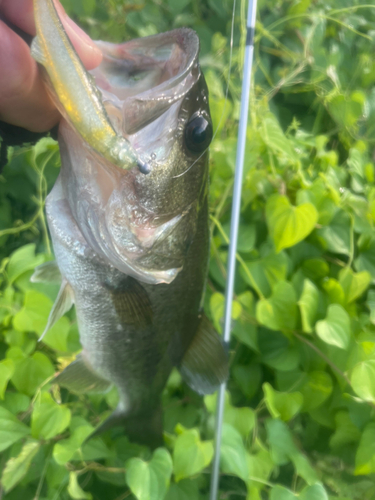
[198, 134]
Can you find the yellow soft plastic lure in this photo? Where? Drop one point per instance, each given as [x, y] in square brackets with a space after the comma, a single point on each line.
[76, 89]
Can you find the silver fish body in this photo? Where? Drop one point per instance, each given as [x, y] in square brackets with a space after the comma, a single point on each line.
[133, 249]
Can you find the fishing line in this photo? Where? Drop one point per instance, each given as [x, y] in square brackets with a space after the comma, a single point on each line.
[236, 208]
[226, 91]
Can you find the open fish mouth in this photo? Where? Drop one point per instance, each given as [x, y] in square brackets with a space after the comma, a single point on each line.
[143, 84]
[141, 79]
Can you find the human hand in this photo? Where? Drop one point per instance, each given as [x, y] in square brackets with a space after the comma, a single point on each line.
[24, 100]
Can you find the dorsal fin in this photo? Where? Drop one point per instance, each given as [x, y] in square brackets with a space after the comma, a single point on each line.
[205, 364]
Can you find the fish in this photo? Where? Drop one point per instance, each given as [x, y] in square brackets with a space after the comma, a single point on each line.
[132, 250]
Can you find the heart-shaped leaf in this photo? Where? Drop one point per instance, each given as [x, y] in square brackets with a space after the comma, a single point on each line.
[279, 312]
[335, 329]
[233, 453]
[363, 380]
[282, 404]
[354, 284]
[308, 305]
[11, 429]
[289, 225]
[150, 480]
[49, 418]
[190, 454]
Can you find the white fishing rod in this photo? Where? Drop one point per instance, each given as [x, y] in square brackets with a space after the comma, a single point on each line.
[236, 207]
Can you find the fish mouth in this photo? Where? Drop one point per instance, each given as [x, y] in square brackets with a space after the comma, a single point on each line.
[144, 82]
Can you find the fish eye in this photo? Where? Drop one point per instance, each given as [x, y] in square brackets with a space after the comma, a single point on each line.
[198, 133]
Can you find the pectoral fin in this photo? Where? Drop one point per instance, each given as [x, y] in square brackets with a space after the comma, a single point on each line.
[80, 378]
[132, 303]
[48, 272]
[37, 51]
[205, 364]
[63, 303]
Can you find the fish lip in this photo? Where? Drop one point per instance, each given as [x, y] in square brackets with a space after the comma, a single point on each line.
[141, 108]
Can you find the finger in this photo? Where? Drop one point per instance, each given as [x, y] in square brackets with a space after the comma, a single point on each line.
[23, 97]
[20, 13]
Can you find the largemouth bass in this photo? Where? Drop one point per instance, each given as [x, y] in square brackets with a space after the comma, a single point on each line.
[132, 249]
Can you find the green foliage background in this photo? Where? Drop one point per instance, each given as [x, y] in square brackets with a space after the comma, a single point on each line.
[300, 419]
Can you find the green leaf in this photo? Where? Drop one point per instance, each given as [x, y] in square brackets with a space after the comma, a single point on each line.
[150, 480]
[34, 316]
[317, 388]
[74, 489]
[16, 468]
[22, 260]
[11, 429]
[242, 419]
[260, 466]
[308, 305]
[248, 378]
[274, 137]
[282, 404]
[184, 490]
[354, 284]
[366, 260]
[31, 372]
[246, 333]
[346, 110]
[281, 493]
[217, 303]
[363, 380]
[6, 372]
[233, 453]
[284, 450]
[16, 402]
[335, 329]
[336, 236]
[95, 449]
[289, 225]
[277, 351]
[246, 238]
[190, 454]
[365, 456]
[281, 441]
[279, 312]
[65, 450]
[371, 305]
[346, 431]
[49, 418]
[313, 492]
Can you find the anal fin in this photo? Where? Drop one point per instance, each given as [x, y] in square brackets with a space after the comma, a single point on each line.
[204, 366]
[80, 378]
[63, 303]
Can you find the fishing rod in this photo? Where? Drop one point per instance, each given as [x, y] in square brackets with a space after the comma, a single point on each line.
[236, 207]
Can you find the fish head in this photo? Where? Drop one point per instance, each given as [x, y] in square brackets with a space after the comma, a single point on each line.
[156, 97]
